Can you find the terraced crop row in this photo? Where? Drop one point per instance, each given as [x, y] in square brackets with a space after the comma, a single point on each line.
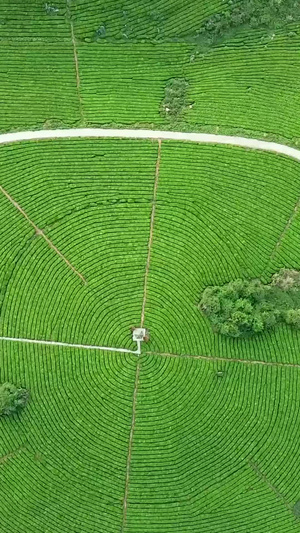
[251, 90]
[122, 80]
[47, 96]
[63, 462]
[92, 199]
[95, 209]
[215, 443]
[250, 85]
[220, 212]
[34, 20]
[214, 453]
[129, 87]
[138, 20]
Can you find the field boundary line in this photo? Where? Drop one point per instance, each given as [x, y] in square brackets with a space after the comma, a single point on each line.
[157, 168]
[285, 230]
[40, 233]
[10, 455]
[69, 14]
[70, 345]
[206, 138]
[128, 463]
[264, 478]
[226, 359]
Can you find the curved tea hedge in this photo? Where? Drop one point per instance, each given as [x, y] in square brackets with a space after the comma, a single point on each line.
[126, 56]
[141, 20]
[34, 20]
[220, 213]
[63, 460]
[223, 451]
[92, 198]
[41, 100]
[203, 445]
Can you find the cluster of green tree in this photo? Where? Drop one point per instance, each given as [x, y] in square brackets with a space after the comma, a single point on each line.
[175, 100]
[245, 307]
[243, 14]
[12, 399]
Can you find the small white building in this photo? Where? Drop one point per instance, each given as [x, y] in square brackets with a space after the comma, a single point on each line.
[139, 334]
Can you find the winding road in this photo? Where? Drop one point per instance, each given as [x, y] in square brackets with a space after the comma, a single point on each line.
[204, 138]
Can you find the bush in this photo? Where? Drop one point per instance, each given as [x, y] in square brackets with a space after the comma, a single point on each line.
[12, 399]
[51, 10]
[269, 14]
[175, 101]
[245, 307]
[287, 279]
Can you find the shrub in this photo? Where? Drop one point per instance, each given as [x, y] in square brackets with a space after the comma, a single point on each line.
[12, 399]
[245, 307]
[287, 279]
[268, 14]
[175, 101]
[51, 10]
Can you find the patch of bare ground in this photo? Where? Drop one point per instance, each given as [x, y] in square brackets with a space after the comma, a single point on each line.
[40, 233]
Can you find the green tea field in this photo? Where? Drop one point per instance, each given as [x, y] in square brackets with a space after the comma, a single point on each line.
[104, 231]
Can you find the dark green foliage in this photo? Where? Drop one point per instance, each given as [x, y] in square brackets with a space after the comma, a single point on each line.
[175, 101]
[12, 399]
[51, 10]
[269, 14]
[244, 307]
[100, 33]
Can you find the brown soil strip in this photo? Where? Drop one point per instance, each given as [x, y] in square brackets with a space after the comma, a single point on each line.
[157, 167]
[125, 501]
[285, 230]
[41, 233]
[263, 477]
[226, 359]
[69, 14]
[10, 455]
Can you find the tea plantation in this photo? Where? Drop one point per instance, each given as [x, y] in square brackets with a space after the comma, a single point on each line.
[199, 432]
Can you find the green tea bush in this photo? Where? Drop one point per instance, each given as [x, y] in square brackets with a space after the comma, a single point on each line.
[243, 307]
[219, 214]
[92, 198]
[77, 432]
[206, 429]
[12, 399]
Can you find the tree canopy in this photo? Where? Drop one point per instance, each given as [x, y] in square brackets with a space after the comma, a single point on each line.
[244, 14]
[12, 399]
[244, 307]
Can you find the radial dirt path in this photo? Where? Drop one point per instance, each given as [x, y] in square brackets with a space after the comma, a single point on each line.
[152, 134]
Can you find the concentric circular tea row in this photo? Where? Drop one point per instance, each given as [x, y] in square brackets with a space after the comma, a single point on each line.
[63, 460]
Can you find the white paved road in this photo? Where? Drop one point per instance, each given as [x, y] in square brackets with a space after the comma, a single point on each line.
[152, 134]
[70, 345]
